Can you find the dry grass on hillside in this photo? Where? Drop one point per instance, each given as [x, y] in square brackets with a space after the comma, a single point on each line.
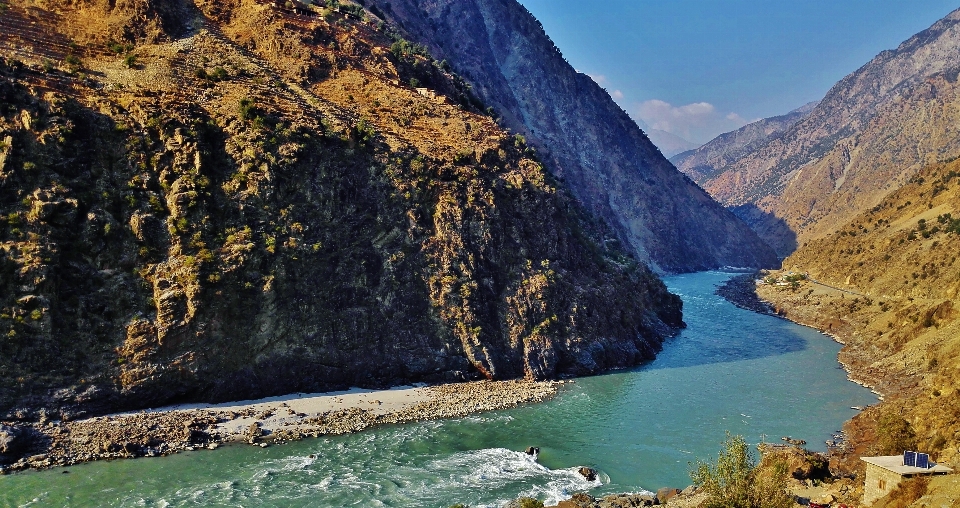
[887, 286]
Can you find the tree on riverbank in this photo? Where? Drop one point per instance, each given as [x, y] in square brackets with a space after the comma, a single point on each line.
[735, 481]
[894, 434]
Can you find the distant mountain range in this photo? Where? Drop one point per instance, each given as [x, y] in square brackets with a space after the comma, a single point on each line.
[869, 135]
[704, 162]
[669, 143]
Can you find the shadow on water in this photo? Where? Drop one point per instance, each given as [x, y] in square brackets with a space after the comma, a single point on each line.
[720, 332]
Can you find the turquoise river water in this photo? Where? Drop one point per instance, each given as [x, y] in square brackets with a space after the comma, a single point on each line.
[730, 370]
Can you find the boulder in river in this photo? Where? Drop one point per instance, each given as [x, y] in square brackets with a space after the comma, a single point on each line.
[588, 472]
[532, 450]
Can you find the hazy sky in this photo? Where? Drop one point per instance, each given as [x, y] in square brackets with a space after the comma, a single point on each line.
[698, 68]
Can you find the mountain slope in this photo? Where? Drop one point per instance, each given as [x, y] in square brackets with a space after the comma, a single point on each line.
[705, 162]
[586, 140]
[873, 131]
[896, 272]
[226, 200]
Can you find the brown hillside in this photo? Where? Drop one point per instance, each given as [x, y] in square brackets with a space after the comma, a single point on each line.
[887, 285]
[220, 200]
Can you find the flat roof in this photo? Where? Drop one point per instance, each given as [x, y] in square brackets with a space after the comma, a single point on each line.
[895, 463]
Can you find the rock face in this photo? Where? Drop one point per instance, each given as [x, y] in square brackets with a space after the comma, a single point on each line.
[703, 163]
[11, 441]
[258, 205]
[871, 133]
[586, 140]
[665, 494]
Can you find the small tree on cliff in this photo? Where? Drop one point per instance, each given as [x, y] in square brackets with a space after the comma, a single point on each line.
[735, 481]
[894, 434]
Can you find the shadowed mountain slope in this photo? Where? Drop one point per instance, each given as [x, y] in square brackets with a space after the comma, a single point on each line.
[586, 140]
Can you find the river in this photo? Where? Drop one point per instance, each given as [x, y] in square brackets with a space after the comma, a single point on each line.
[729, 370]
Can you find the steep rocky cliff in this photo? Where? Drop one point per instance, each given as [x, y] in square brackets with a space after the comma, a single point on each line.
[586, 140]
[871, 133]
[227, 199]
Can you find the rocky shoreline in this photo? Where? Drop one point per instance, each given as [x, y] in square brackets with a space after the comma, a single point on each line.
[741, 292]
[47, 444]
[669, 497]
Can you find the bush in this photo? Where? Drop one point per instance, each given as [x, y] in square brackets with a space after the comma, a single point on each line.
[73, 63]
[130, 61]
[249, 112]
[894, 434]
[120, 48]
[906, 493]
[219, 74]
[735, 481]
[406, 50]
[354, 10]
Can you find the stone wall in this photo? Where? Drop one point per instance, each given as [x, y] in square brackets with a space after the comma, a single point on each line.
[879, 482]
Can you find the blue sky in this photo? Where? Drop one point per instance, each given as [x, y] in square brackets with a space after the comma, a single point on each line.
[698, 68]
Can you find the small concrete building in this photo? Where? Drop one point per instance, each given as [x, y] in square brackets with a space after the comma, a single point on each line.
[884, 473]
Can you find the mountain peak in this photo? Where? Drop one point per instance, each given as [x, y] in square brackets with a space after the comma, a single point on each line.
[843, 156]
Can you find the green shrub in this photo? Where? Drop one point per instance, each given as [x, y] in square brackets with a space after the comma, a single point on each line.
[364, 131]
[353, 9]
[894, 434]
[130, 61]
[735, 481]
[219, 74]
[73, 63]
[120, 48]
[248, 111]
[406, 50]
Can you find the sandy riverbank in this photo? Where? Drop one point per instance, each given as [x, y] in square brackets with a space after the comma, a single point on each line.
[168, 430]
